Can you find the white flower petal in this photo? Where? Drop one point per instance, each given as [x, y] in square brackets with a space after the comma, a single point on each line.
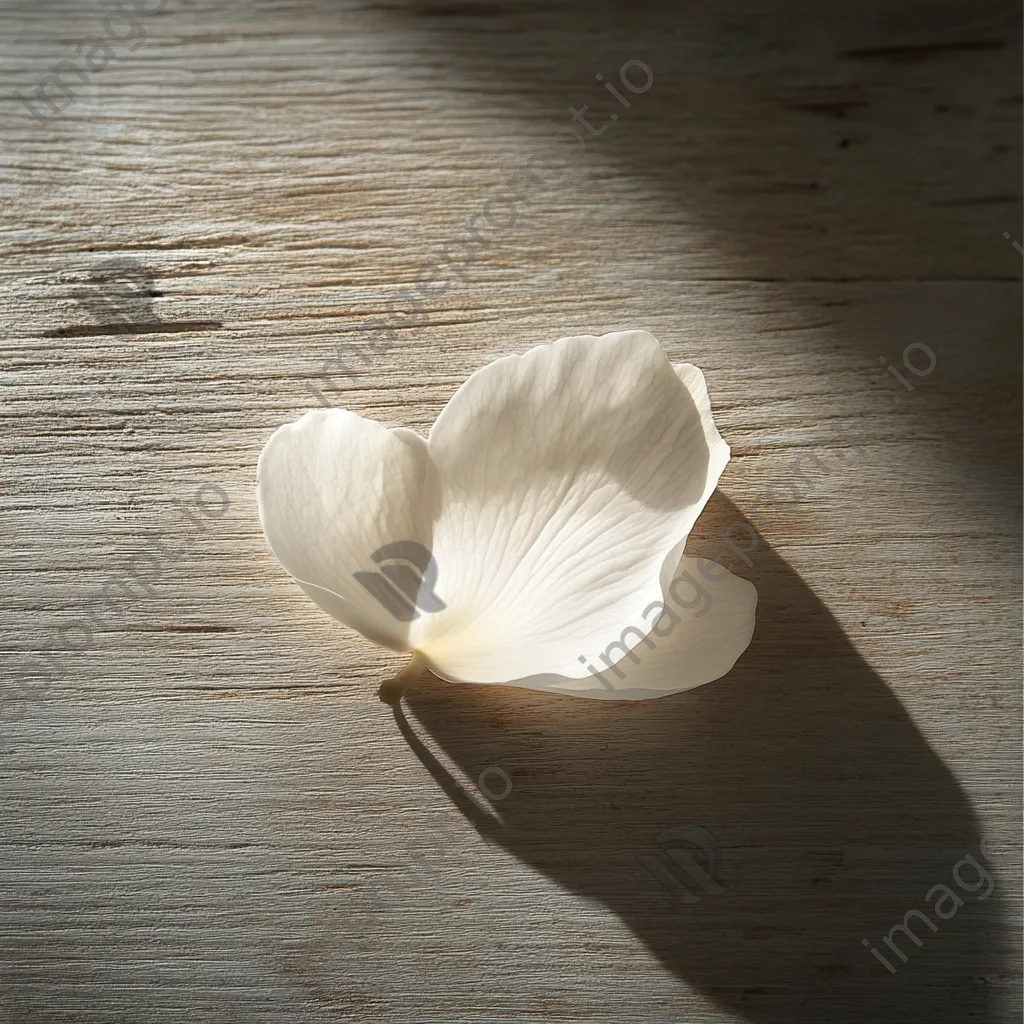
[569, 475]
[696, 645]
[718, 456]
[333, 489]
[546, 513]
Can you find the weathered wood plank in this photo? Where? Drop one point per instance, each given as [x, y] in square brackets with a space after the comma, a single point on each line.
[205, 811]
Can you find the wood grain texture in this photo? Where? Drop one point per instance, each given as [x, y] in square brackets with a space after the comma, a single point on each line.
[206, 814]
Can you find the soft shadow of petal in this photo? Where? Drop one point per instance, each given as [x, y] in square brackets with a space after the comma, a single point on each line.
[832, 814]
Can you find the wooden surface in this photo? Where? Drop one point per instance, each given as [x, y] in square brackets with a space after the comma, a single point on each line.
[206, 814]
